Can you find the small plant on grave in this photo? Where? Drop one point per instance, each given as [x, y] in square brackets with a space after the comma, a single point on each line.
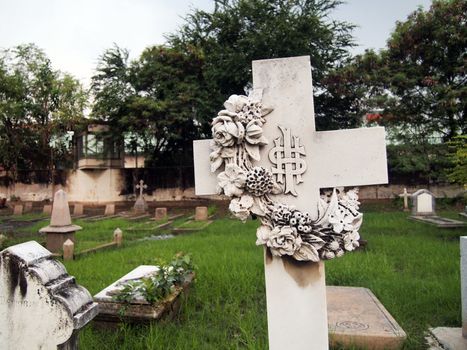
[157, 286]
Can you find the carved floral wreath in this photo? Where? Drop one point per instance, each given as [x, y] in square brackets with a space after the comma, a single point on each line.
[237, 137]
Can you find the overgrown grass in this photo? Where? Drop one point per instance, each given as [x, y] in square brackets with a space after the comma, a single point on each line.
[413, 269]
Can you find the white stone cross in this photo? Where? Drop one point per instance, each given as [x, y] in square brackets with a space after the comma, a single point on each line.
[296, 293]
[141, 187]
[406, 196]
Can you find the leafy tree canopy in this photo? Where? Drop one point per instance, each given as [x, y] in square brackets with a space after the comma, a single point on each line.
[239, 31]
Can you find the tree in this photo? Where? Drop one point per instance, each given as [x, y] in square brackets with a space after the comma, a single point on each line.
[158, 100]
[458, 155]
[239, 31]
[37, 104]
[421, 74]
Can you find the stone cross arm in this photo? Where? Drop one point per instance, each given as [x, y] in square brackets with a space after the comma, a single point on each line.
[352, 157]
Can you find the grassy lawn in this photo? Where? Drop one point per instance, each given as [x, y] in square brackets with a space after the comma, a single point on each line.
[413, 269]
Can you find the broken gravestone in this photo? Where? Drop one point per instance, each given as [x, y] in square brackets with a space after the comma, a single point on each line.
[41, 306]
[201, 213]
[60, 228]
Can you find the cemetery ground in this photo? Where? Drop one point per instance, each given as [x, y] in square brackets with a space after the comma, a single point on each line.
[411, 267]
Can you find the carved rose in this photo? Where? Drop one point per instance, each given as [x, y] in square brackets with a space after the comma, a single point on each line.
[254, 139]
[219, 154]
[244, 109]
[232, 180]
[284, 241]
[226, 132]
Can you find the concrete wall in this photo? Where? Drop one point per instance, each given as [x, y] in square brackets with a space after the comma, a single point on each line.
[102, 186]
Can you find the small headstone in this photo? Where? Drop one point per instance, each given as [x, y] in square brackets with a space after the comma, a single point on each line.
[161, 213]
[141, 206]
[118, 236]
[28, 207]
[109, 209]
[18, 209]
[201, 214]
[68, 250]
[423, 203]
[60, 228]
[47, 209]
[42, 307]
[357, 319]
[78, 209]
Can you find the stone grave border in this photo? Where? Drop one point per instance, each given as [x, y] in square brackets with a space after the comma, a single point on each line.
[180, 230]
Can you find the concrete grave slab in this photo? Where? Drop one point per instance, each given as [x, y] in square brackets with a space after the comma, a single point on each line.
[357, 318]
[450, 338]
[138, 310]
[42, 307]
[439, 221]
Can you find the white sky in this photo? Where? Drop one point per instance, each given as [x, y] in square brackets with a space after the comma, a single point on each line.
[74, 33]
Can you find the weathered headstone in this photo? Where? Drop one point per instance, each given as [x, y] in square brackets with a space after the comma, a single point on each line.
[141, 206]
[118, 236]
[201, 213]
[41, 306]
[28, 207]
[109, 209]
[47, 209]
[423, 203]
[303, 161]
[60, 228]
[18, 209]
[78, 209]
[455, 337]
[160, 214]
[405, 195]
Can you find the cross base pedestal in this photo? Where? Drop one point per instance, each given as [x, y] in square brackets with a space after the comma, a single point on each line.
[296, 304]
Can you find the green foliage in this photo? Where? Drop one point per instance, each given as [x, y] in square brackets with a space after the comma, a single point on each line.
[458, 155]
[418, 163]
[239, 31]
[159, 98]
[419, 81]
[37, 106]
[159, 285]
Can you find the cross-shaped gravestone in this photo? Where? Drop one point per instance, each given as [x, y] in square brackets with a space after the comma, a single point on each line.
[140, 205]
[303, 161]
[141, 187]
[406, 196]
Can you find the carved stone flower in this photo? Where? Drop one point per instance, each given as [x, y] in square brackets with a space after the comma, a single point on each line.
[284, 241]
[254, 139]
[219, 154]
[226, 132]
[351, 240]
[240, 207]
[244, 109]
[232, 180]
[341, 220]
[260, 181]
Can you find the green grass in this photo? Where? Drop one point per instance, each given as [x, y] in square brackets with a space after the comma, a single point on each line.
[413, 269]
[192, 224]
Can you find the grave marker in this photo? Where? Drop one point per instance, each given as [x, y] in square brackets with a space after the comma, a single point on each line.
[405, 195]
[160, 214]
[18, 209]
[42, 307]
[60, 228]
[141, 206]
[201, 214]
[78, 209]
[423, 203]
[28, 207]
[47, 209]
[118, 237]
[109, 209]
[303, 161]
